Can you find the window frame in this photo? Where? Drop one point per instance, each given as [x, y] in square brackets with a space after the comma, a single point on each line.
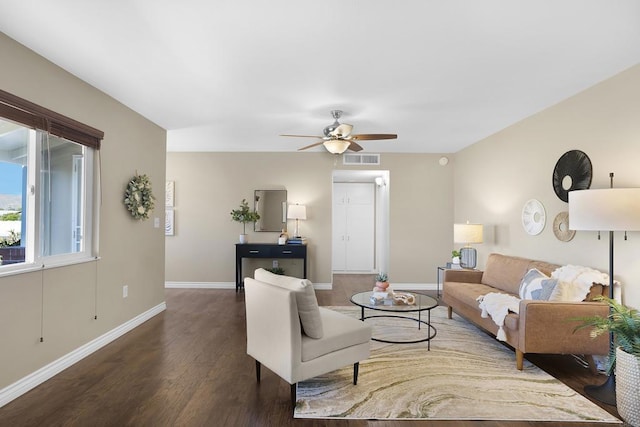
[46, 122]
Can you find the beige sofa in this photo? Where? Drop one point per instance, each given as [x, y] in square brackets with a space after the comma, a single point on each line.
[541, 326]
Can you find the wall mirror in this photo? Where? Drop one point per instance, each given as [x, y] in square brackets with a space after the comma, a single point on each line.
[272, 207]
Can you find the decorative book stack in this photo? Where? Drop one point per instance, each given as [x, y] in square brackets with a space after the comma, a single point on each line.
[297, 241]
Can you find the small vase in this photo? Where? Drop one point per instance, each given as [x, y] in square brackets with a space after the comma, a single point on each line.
[243, 238]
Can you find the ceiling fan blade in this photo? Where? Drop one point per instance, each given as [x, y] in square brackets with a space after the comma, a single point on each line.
[304, 136]
[311, 146]
[354, 146]
[373, 136]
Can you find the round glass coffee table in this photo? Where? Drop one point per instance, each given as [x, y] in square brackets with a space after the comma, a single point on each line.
[422, 303]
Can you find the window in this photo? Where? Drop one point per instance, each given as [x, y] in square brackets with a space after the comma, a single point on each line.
[46, 183]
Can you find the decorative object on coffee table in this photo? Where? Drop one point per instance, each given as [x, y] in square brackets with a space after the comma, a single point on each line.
[381, 283]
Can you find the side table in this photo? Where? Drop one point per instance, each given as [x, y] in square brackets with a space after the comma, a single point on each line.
[440, 273]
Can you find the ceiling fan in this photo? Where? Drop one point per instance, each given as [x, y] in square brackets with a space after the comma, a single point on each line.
[338, 138]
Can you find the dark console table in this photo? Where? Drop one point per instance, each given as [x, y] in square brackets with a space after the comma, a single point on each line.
[267, 250]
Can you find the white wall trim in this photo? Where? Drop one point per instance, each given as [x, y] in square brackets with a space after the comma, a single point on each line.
[415, 286]
[200, 285]
[36, 378]
[226, 285]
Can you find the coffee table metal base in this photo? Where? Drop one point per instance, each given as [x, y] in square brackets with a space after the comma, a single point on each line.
[431, 330]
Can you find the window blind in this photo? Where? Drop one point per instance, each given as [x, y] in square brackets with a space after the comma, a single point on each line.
[34, 116]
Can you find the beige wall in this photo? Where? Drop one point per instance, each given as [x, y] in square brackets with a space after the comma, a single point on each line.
[496, 176]
[60, 303]
[209, 185]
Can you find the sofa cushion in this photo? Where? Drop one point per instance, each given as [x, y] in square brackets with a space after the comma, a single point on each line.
[308, 309]
[505, 272]
[468, 293]
[536, 285]
[340, 331]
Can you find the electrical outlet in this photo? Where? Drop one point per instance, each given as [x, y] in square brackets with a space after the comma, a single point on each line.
[274, 263]
[125, 291]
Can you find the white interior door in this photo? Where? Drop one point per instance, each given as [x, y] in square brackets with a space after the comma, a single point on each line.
[353, 227]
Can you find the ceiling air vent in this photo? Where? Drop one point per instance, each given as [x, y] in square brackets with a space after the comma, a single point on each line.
[360, 159]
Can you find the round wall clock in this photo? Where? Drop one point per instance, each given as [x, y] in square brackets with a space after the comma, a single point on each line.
[572, 172]
[533, 217]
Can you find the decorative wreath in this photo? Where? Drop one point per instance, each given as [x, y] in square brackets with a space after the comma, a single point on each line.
[576, 165]
[138, 197]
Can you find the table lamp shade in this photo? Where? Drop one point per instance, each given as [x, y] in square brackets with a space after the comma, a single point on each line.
[467, 233]
[609, 209]
[297, 212]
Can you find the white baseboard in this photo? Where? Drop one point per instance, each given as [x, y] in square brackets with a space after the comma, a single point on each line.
[200, 285]
[36, 378]
[415, 286]
[225, 285]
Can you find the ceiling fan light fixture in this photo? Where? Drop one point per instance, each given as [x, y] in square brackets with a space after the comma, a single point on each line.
[336, 146]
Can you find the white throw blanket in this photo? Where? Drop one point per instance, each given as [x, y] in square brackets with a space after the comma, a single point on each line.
[497, 306]
[575, 281]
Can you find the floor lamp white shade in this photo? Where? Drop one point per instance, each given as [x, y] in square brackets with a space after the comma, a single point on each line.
[297, 212]
[467, 234]
[608, 209]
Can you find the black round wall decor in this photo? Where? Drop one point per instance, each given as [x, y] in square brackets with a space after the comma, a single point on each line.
[576, 165]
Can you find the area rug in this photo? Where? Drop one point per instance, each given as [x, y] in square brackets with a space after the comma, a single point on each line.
[467, 375]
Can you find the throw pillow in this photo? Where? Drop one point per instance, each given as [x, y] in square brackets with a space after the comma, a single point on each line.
[547, 288]
[531, 284]
[308, 309]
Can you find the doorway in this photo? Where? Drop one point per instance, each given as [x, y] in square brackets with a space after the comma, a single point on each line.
[360, 221]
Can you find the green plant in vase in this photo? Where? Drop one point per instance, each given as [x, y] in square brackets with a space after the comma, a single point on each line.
[624, 323]
[244, 215]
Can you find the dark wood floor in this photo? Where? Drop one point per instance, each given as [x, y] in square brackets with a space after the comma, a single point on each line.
[188, 367]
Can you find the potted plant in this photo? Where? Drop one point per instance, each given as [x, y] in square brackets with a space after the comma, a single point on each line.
[381, 282]
[244, 215]
[624, 323]
[455, 257]
[276, 270]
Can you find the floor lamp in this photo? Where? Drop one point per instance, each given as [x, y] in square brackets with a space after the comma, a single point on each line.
[610, 209]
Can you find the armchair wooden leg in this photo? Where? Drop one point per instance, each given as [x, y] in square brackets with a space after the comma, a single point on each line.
[449, 312]
[294, 387]
[258, 370]
[356, 368]
[519, 359]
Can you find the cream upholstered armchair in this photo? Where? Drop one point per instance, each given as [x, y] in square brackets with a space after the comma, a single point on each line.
[289, 334]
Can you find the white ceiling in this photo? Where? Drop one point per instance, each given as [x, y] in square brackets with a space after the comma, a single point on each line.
[231, 75]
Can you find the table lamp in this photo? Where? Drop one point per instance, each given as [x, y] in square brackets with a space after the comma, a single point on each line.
[297, 212]
[467, 234]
